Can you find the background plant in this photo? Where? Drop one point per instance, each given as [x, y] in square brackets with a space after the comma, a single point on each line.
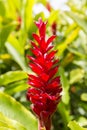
[16, 27]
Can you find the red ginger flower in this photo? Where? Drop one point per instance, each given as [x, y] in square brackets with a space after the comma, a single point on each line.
[45, 91]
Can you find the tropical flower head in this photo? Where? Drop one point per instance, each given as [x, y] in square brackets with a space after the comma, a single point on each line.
[46, 88]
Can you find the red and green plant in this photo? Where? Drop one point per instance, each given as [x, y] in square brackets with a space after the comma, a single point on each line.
[69, 24]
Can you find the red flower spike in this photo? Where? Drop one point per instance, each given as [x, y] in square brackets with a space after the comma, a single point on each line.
[46, 87]
[50, 39]
[36, 37]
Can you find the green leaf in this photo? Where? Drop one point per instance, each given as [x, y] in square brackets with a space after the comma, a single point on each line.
[16, 87]
[76, 52]
[2, 9]
[44, 2]
[53, 16]
[76, 75]
[67, 59]
[3, 124]
[16, 44]
[9, 123]
[12, 76]
[65, 114]
[65, 85]
[14, 5]
[11, 9]
[15, 48]
[4, 128]
[73, 125]
[28, 13]
[70, 28]
[5, 31]
[14, 110]
[79, 20]
[70, 38]
[82, 120]
[84, 97]
[20, 59]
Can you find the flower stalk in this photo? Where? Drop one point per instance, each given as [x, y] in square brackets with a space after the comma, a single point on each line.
[45, 92]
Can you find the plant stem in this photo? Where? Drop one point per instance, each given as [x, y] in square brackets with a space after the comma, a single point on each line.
[44, 126]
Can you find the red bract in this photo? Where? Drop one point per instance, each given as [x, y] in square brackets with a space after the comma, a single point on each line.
[54, 27]
[19, 20]
[48, 6]
[46, 88]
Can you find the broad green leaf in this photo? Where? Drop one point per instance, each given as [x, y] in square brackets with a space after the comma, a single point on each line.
[77, 53]
[15, 48]
[82, 120]
[20, 59]
[70, 38]
[5, 56]
[2, 9]
[16, 87]
[83, 106]
[14, 110]
[9, 123]
[81, 63]
[65, 85]
[27, 19]
[67, 59]
[11, 9]
[12, 76]
[16, 5]
[76, 75]
[79, 20]
[44, 2]
[23, 30]
[3, 124]
[65, 114]
[5, 31]
[73, 125]
[53, 16]
[28, 13]
[4, 128]
[70, 28]
[16, 44]
[84, 97]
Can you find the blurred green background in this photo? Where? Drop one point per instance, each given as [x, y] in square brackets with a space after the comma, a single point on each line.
[68, 20]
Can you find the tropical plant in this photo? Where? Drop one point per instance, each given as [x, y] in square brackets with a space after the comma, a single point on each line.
[16, 27]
